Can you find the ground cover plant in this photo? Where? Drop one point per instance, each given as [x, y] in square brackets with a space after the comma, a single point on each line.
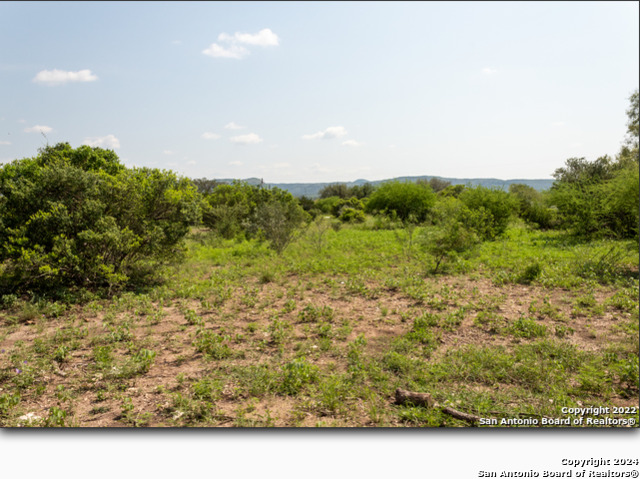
[326, 337]
[500, 305]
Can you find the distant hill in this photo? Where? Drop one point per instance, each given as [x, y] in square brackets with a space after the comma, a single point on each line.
[312, 190]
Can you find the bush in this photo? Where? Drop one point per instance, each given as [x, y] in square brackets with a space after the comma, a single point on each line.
[277, 222]
[254, 212]
[409, 202]
[77, 218]
[531, 207]
[453, 233]
[491, 209]
[599, 198]
[351, 215]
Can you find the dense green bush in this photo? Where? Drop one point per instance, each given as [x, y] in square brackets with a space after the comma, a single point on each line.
[453, 232]
[229, 208]
[489, 210]
[243, 210]
[405, 201]
[78, 218]
[599, 198]
[531, 206]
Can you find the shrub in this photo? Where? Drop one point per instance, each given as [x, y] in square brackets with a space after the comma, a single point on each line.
[454, 232]
[530, 206]
[254, 212]
[351, 215]
[409, 202]
[77, 218]
[491, 210]
[277, 220]
[599, 198]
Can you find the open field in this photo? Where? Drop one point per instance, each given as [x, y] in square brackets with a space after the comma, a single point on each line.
[323, 334]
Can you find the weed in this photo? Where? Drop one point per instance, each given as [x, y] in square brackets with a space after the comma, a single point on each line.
[7, 403]
[289, 306]
[266, 276]
[256, 380]
[143, 360]
[207, 389]
[603, 265]
[99, 410]
[61, 354]
[192, 318]
[56, 418]
[563, 331]
[530, 273]
[310, 314]
[492, 322]
[296, 375]
[211, 344]
[527, 328]
[332, 395]
[278, 331]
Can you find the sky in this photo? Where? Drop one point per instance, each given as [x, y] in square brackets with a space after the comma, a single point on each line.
[321, 92]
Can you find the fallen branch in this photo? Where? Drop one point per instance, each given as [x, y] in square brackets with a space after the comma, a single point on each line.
[424, 399]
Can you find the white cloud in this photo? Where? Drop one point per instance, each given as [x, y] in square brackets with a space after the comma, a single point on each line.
[233, 126]
[168, 152]
[558, 123]
[108, 141]
[329, 133]
[191, 162]
[489, 71]
[234, 51]
[38, 129]
[22, 121]
[236, 163]
[210, 136]
[250, 139]
[264, 38]
[5, 142]
[176, 42]
[351, 143]
[58, 77]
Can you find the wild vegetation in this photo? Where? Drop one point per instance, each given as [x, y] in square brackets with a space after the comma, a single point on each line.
[134, 297]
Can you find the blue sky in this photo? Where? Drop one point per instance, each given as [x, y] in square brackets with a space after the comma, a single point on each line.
[310, 92]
